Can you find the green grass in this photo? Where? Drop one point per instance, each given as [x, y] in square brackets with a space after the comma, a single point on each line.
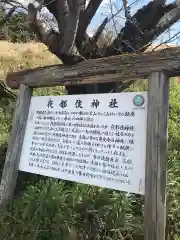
[49, 209]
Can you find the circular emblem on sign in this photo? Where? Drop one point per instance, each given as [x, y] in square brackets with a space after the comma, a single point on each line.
[138, 100]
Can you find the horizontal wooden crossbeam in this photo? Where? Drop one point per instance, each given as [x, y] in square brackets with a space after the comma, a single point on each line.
[103, 70]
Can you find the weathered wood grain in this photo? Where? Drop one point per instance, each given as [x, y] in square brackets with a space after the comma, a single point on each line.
[111, 69]
[156, 156]
[10, 171]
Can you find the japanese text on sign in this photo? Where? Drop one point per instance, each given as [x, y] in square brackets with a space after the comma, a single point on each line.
[97, 139]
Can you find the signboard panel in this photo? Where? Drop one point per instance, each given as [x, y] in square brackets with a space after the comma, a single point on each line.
[97, 139]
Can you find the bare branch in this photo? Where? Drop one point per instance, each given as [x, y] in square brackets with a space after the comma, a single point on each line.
[100, 30]
[7, 16]
[159, 2]
[46, 35]
[130, 38]
[67, 14]
[13, 3]
[167, 41]
[53, 39]
[84, 44]
[60, 10]
[63, 10]
[85, 19]
[126, 10]
[167, 21]
[75, 7]
[164, 23]
[41, 4]
[37, 25]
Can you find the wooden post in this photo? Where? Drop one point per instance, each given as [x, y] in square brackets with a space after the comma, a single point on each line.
[10, 171]
[156, 156]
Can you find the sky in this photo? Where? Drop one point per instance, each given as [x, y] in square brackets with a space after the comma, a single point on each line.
[106, 11]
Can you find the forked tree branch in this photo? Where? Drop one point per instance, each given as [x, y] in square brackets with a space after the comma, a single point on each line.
[86, 17]
[85, 46]
[54, 40]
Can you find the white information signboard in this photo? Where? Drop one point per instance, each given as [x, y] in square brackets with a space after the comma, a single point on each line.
[97, 139]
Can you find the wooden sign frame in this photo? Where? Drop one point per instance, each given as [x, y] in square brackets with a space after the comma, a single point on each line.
[157, 120]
